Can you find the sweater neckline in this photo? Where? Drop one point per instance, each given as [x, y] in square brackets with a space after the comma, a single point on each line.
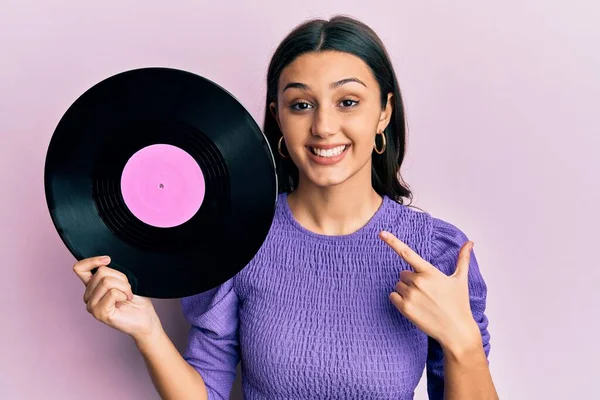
[375, 218]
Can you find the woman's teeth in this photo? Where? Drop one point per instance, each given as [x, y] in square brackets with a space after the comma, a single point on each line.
[336, 151]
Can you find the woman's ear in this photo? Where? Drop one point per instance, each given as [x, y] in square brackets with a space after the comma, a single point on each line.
[386, 113]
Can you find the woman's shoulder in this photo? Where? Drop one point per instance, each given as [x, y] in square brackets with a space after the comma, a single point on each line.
[440, 227]
[218, 302]
[443, 235]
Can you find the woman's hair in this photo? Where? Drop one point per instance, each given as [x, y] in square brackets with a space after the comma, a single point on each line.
[345, 34]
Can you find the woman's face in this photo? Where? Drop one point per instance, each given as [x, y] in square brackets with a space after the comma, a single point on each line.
[329, 111]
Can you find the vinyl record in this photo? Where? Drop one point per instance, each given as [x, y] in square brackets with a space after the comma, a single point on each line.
[166, 172]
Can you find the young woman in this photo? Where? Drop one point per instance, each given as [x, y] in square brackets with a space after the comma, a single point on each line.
[353, 293]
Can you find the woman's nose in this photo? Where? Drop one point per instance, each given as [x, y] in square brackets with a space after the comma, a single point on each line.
[325, 122]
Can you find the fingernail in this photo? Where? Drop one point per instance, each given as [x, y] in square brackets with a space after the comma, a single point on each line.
[384, 235]
[105, 259]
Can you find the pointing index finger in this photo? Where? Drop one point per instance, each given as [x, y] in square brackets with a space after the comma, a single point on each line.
[409, 255]
[83, 269]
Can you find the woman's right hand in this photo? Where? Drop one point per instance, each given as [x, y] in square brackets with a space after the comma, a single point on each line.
[109, 298]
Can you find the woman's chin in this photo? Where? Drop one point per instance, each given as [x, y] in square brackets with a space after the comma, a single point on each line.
[323, 176]
[328, 179]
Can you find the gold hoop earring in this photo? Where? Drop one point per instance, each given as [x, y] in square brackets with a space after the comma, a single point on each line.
[279, 148]
[383, 146]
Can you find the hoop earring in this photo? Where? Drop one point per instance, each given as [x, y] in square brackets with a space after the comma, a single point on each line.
[383, 146]
[279, 148]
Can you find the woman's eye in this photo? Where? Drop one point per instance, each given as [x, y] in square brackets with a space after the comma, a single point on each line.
[349, 103]
[300, 106]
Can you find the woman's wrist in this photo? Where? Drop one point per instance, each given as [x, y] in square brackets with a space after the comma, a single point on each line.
[463, 343]
[149, 339]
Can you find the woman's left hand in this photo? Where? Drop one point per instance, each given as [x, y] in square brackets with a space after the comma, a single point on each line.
[436, 303]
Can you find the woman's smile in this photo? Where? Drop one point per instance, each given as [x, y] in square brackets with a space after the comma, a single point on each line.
[327, 154]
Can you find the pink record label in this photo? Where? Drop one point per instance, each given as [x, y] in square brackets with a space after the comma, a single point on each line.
[162, 185]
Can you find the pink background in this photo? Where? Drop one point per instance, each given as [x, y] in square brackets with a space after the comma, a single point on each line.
[502, 103]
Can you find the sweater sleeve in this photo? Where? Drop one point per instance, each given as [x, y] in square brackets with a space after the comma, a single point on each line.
[446, 243]
[212, 347]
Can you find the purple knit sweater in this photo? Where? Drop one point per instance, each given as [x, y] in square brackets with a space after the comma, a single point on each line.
[309, 317]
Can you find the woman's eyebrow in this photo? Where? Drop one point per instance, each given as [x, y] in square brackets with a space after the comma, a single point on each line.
[333, 85]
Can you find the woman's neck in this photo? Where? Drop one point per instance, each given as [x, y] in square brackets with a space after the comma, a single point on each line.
[336, 210]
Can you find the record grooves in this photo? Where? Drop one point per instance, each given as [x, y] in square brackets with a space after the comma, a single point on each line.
[120, 220]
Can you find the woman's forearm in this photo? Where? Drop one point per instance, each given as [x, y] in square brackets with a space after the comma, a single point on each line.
[172, 376]
[467, 374]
